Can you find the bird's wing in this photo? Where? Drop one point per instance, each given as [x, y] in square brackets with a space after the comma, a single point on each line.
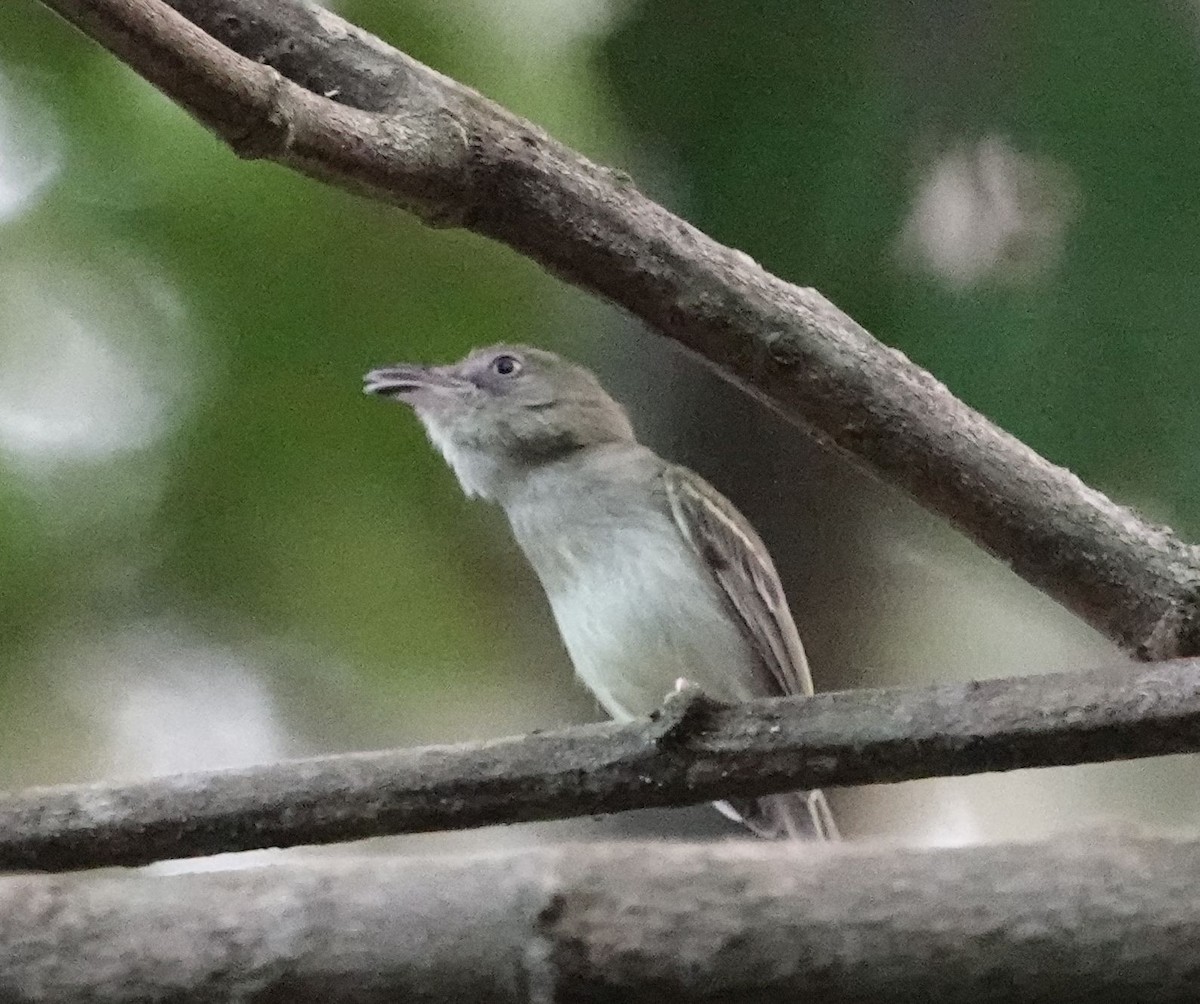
[740, 564]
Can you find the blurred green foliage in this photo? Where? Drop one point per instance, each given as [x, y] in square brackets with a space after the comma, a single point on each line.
[289, 505]
[802, 129]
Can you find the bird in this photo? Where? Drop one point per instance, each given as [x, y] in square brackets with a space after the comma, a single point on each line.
[653, 576]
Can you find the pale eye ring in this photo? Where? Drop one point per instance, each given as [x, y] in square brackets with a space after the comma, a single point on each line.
[506, 365]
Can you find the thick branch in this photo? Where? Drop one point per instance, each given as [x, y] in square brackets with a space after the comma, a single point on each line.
[398, 131]
[692, 752]
[1099, 917]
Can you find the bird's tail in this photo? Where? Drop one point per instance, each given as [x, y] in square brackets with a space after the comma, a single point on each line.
[801, 815]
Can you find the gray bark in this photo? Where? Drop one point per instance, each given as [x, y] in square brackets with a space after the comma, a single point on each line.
[1098, 917]
[285, 80]
[694, 751]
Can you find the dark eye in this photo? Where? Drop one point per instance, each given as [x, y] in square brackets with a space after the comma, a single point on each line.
[506, 365]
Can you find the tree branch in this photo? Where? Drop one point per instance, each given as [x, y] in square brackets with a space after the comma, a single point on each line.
[1102, 917]
[286, 80]
[692, 752]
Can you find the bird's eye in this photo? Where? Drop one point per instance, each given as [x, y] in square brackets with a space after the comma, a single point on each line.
[506, 365]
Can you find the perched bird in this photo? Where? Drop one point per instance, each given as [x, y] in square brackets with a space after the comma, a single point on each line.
[651, 573]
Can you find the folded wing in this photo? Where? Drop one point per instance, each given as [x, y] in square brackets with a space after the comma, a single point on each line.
[741, 565]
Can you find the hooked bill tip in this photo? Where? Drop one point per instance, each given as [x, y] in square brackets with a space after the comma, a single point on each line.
[388, 383]
[405, 378]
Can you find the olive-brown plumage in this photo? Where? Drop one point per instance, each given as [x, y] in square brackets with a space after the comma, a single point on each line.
[652, 574]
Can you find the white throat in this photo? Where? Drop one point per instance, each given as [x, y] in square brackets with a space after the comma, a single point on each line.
[480, 473]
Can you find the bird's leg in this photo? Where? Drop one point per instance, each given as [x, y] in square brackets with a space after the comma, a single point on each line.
[682, 714]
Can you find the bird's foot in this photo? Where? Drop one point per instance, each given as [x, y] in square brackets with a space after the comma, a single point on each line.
[682, 714]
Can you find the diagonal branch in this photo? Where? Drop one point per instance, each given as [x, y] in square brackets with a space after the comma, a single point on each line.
[693, 751]
[285, 80]
[1099, 917]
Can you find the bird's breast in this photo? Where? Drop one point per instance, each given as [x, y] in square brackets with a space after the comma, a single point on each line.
[637, 610]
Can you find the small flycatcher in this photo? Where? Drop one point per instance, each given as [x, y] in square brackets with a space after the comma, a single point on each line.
[651, 573]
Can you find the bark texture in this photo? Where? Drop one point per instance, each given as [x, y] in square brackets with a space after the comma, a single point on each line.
[1098, 917]
[693, 751]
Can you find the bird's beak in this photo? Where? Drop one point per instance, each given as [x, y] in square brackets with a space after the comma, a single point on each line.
[404, 380]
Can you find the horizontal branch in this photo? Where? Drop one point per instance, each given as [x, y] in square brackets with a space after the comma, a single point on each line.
[1098, 917]
[285, 80]
[693, 751]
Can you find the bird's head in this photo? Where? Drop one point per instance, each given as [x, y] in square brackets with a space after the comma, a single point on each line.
[505, 409]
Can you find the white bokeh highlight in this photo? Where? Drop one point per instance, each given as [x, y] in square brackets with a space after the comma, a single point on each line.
[93, 363]
[31, 150]
[541, 27]
[985, 212]
[158, 700]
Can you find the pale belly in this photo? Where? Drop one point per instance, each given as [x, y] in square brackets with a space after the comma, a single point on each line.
[640, 614]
